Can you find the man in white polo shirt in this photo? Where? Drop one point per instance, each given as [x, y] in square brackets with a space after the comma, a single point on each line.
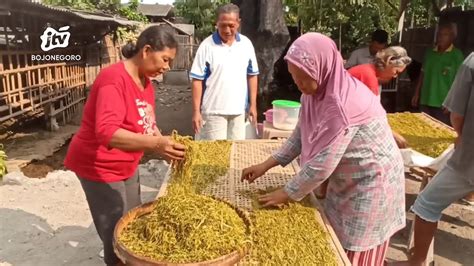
[224, 80]
[365, 55]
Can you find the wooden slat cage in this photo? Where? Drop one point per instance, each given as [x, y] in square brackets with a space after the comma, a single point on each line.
[54, 89]
[185, 54]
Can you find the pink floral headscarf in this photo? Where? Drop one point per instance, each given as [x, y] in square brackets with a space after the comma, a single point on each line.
[341, 101]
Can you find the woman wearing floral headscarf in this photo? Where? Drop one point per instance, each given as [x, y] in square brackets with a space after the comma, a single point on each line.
[343, 136]
[387, 65]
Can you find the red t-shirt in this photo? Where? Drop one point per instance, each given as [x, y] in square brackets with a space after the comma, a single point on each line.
[115, 101]
[367, 74]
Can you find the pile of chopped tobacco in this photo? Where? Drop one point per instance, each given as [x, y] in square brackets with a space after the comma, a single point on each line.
[3, 162]
[288, 235]
[204, 162]
[421, 135]
[186, 227]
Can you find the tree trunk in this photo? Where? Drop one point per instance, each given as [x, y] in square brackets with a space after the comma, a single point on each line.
[263, 21]
[340, 36]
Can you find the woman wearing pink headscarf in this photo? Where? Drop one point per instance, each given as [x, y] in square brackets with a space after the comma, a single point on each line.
[343, 136]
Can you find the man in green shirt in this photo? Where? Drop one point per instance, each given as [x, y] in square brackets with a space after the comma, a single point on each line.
[439, 69]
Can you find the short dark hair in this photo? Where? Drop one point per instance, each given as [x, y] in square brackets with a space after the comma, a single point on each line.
[228, 9]
[449, 26]
[158, 37]
[380, 36]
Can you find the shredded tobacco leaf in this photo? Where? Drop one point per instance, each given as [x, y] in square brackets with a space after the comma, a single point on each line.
[3, 164]
[186, 227]
[421, 135]
[288, 235]
[204, 162]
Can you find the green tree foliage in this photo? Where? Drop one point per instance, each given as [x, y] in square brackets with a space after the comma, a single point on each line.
[114, 7]
[348, 22]
[420, 12]
[76, 4]
[201, 13]
[352, 21]
[128, 11]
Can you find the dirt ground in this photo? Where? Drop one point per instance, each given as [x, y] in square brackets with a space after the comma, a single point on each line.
[454, 239]
[46, 221]
[37, 152]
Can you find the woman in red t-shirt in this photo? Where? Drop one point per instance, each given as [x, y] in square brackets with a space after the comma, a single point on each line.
[117, 126]
[387, 65]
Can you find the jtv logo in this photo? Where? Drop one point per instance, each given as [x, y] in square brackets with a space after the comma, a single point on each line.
[52, 39]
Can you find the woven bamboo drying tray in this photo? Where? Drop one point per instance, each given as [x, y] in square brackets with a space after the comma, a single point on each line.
[244, 154]
[228, 187]
[436, 124]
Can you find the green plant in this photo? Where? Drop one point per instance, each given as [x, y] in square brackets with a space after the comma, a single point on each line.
[201, 13]
[3, 159]
[352, 21]
[349, 23]
[76, 4]
[130, 11]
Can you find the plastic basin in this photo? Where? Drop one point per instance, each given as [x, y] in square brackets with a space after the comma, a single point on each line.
[285, 114]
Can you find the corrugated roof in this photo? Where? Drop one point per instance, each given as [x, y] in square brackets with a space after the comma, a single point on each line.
[103, 17]
[86, 15]
[155, 10]
[187, 29]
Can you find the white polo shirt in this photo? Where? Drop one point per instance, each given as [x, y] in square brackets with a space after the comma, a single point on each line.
[224, 70]
[359, 57]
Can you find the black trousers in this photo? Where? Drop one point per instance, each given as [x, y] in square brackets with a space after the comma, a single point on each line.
[108, 202]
